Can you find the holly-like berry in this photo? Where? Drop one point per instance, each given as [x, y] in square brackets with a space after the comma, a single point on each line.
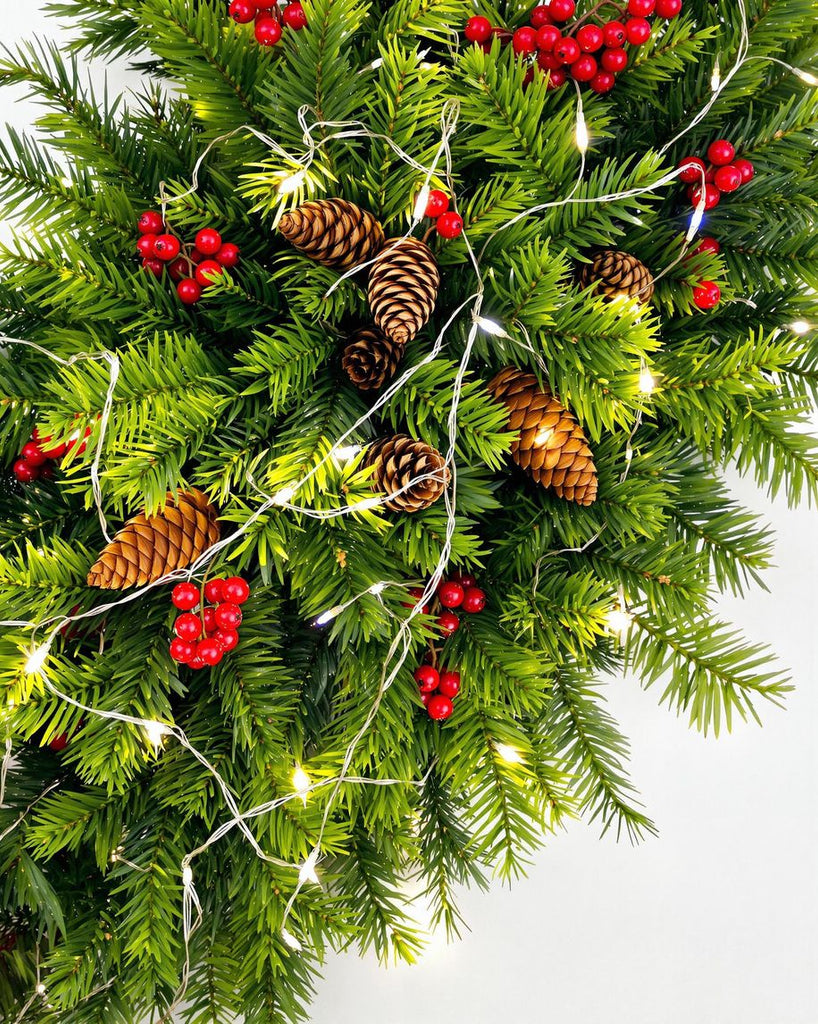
[52, 451]
[145, 244]
[427, 678]
[614, 34]
[539, 16]
[228, 255]
[727, 178]
[524, 40]
[178, 268]
[474, 600]
[478, 29]
[24, 471]
[166, 247]
[641, 8]
[228, 638]
[584, 68]
[561, 10]
[235, 590]
[182, 650]
[548, 37]
[59, 742]
[449, 224]
[228, 616]
[242, 11]
[439, 707]
[196, 663]
[450, 594]
[707, 294]
[603, 81]
[448, 622]
[590, 38]
[188, 626]
[449, 684]
[185, 596]
[294, 17]
[425, 698]
[436, 204]
[709, 245]
[711, 196]
[567, 50]
[637, 31]
[668, 8]
[150, 223]
[548, 61]
[209, 619]
[195, 256]
[692, 169]
[465, 579]
[720, 152]
[267, 30]
[210, 651]
[556, 78]
[213, 590]
[417, 594]
[189, 291]
[745, 169]
[33, 454]
[207, 272]
[208, 241]
[615, 60]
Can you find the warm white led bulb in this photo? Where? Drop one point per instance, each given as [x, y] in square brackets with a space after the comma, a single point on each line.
[36, 659]
[329, 615]
[647, 382]
[156, 731]
[291, 183]
[301, 783]
[284, 496]
[307, 872]
[364, 504]
[41, 989]
[377, 588]
[799, 327]
[346, 452]
[187, 875]
[619, 621]
[290, 939]
[806, 76]
[581, 132]
[490, 327]
[421, 202]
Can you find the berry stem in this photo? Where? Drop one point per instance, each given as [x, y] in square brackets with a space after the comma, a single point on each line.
[621, 11]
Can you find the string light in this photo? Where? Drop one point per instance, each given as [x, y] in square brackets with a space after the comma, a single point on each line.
[581, 134]
[291, 940]
[365, 504]
[715, 78]
[156, 732]
[805, 76]
[284, 496]
[799, 327]
[508, 753]
[647, 382]
[377, 588]
[187, 875]
[36, 659]
[307, 872]
[490, 327]
[41, 989]
[347, 452]
[329, 615]
[619, 619]
[292, 183]
[422, 202]
[301, 782]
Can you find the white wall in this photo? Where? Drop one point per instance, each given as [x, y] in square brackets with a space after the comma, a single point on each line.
[715, 922]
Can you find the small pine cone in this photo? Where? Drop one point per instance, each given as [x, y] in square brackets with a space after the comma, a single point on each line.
[403, 286]
[333, 232]
[149, 547]
[371, 358]
[551, 446]
[400, 459]
[613, 273]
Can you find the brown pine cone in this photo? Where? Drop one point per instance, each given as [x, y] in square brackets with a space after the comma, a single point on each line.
[403, 284]
[613, 273]
[371, 358]
[334, 232]
[400, 459]
[149, 547]
[550, 446]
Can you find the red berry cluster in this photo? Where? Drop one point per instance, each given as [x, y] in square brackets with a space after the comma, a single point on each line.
[206, 632]
[38, 453]
[269, 20]
[192, 267]
[448, 224]
[587, 51]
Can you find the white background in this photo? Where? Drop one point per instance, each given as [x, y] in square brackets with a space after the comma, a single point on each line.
[715, 922]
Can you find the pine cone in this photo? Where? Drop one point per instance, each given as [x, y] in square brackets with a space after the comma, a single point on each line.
[148, 547]
[371, 358]
[403, 286]
[614, 273]
[551, 446]
[400, 459]
[333, 232]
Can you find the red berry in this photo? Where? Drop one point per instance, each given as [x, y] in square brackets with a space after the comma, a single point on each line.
[228, 638]
[208, 271]
[615, 60]
[242, 11]
[235, 590]
[425, 698]
[436, 204]
[549, 61]
[182, 650]
[449, 224]
[427, 678]
[556, 78]
[707, 294]
[24, 471]
[539, 16]
[178, 268]
[548, 37]
[474, 600]
[196, 256]
[294, 17]
[478, 30]
[264, 5]
[189, 291]
[614, 34]
[188, 626]
[465, 579]
[727, 178]
[668, 8]
[584, 68]
[641, 8]
[561, 10]
[524, 40]
[603, 81]
[209, 619]
[185, 596]
[196, 663]
[448, 622]
[210, 651]
[417, 593]
[709, 245]
[720, 152]
[449, 683]
[166, 247]
[228, 255]
[692, 169]
[33, 454]
[213, 590]
[59, 742]
[228, 616]
[590, 38]
[567, 50]
[51, 451]
[439, 707]
[637, 31]
[208, 241]
[745, 169]
[450, 594]
[711, 196]
[145, 244]
[150, 223]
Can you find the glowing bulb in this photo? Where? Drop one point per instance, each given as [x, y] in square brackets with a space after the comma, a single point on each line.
[292, 183]
[421, 203]
[508, 754]
[647, 382]
[301, 783]
[582, 132]
[41, 989]
[715, 78]
[619, 621]
[543, 436]
[36, 659]
[307, 872]
[377, 588]
[329, 615]
[490, 327]
[799, 327]
[364, 504]
[290, 939]
[187, 875]
[346, 452]
[806, 76]
[284, 496]
[376, 63]
[156, 731]
[696, 219]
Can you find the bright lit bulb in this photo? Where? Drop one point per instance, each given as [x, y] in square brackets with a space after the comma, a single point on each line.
[543, 436]
[36, 659]
[156, 732]
[376, 63]
[307, 872]
[647, 382]
[301, 783]
[806, 76]
[696, 219]
[582, 132]
[41, 989]
[799, 327]
[291, 183]
[364, 504]
[329, 615]
[715, 78]
[490, 327]
[284, 496]
[421, 203]
[187, 875]
[619, 621]
[290, 939]
[377, 588]
[346, 452]
[508, 754]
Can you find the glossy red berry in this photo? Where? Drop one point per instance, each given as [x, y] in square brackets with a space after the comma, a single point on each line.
[709, 245]
[436, 204]
[145, 244]
[561, 10]
[465, 579]
[556, 78]
[294, 17]
[196, 257]
[185, 596]
[208, 272]
[427, 678]
[727, 178]
[692, 169]
[213, 590]
[228, 255]
[448, 622]
[449, 684]
[539, 16]
[745, 169]
[614, 34]
[196, 663]
[450, 594]
[548, 37]
[228, 616]
[439, 707]
[417, 594]
[235, 590]
[228, 638]
[567, 50]
[25, 472]
[584, 68]
[208, 241]
[524, 40]
[668, 8]
[615, 60]
[165, 247]
[449, 224]
[209, 619]
[720, 152]
[33, 454]
[51, 451]
[188, 626]
[189, 291]
[549, 61]
[210, 651]
[590, 38]
[182, 650]
[59, 742]
[711, 196]
[242, 11]
[603, 81]
[478, 29]
[637, 31]
[706, 295]
[178, 268]
[641, 8]
[150, 223]
[474, 600]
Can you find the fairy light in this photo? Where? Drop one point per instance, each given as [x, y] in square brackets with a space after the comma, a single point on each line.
[421, 202]
[377, 589]
[491, 327]
[291, 940]
[307, 872]
[36, 659]
[301, 783]
[187, 875]
[619, 620]
[292, 183]
[805, 76]
[799, 327]
[647, 382]
[41, 989]
[365, 504]
[156, 732]
[284, 496]
[347, 452]
[581, 134]
[715, 78]
[508, 753]
[329, 615]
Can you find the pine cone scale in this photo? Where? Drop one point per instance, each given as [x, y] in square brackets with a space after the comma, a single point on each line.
[612, 274]
[333, 232]
[371, 358]
[403, 287]
[411, 472]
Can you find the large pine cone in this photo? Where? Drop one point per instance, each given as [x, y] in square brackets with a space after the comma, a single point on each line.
[403, 286]
[333, 232]
[149, 547]
[551, 446]
[400, 459]
[613, 273]
[371, 358]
